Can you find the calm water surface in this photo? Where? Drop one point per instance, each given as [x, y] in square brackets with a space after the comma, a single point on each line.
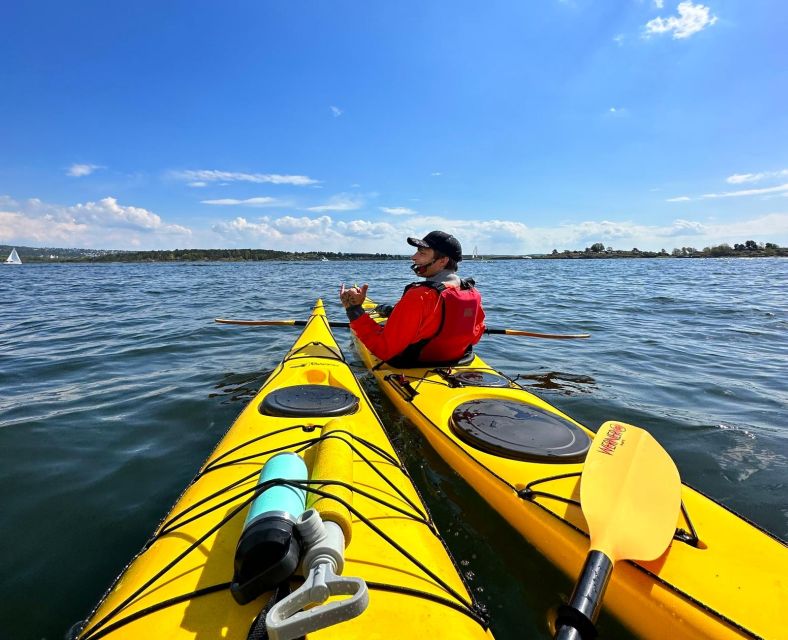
[116, 385]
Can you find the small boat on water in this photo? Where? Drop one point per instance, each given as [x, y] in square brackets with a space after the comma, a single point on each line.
[13, 258]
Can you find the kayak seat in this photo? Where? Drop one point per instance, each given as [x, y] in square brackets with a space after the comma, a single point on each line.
[309, 401]
[519, 431]
[400, 362]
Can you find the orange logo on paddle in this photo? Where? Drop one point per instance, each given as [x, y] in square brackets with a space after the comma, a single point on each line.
[612, 439]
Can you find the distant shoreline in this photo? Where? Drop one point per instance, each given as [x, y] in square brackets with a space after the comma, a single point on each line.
[52, 255]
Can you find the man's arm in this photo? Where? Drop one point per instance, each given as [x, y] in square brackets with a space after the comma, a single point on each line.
[403, 326]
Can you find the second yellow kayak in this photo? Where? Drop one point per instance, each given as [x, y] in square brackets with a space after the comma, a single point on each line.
[721, 577]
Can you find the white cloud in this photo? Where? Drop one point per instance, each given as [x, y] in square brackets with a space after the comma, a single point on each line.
[287, 232]
[625, 235]
[618, 112]
[336, 111]
[108, 213]
[619, 39]
[436, 173]
[691, 19]
[199, 178]
[769, 228]
[103, 224]
[398, 211]
[659, 4]
[82, 170]
[747, 192]
[734, 194]
[511, 237]
[341, 202]
[740, 178]
[366, 229]
[263, 201]
[680, 227]
[109, 224]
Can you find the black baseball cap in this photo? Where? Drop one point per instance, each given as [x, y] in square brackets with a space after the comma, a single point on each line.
[441, 241]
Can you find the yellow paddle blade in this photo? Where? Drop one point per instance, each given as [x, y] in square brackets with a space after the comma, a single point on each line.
[630, 492]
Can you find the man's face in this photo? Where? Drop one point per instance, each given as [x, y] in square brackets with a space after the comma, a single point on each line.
[424, 256]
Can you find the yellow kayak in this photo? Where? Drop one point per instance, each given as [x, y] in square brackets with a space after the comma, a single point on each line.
[721, 577]
[368, 560]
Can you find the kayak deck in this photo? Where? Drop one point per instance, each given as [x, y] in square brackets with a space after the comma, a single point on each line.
[721, 577]
[178, 585]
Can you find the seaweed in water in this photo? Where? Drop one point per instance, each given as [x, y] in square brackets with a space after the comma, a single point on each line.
[566, 383]
[237, 387]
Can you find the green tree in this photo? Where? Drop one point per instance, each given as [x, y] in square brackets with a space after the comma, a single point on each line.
[723, 249]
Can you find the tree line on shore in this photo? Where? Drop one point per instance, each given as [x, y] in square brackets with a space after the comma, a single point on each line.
[749, 248]
[48, 254]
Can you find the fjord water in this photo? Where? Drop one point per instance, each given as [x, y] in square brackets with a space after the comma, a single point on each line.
[116, 384]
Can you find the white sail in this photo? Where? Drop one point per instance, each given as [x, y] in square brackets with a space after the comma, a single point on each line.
[475, 253]
[13, 258]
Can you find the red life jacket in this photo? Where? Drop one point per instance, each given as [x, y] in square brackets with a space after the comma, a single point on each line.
[461, 326]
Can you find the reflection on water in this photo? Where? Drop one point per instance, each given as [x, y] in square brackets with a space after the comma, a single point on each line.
[740, 461]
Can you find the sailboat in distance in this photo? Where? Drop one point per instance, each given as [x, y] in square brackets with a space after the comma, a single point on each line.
[13, 258]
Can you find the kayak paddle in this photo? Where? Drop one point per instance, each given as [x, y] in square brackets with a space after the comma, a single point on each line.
[345, 325]
[630, 493]
[531, 334]
[278, 323]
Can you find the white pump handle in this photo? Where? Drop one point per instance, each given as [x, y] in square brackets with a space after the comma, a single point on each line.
[287, 620]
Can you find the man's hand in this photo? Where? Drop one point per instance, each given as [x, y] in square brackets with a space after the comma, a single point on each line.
[353, 296]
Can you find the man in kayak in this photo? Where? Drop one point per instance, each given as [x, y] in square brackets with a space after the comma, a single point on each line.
[436, 321]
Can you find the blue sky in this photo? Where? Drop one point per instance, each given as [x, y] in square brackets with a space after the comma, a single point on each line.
[519, 126]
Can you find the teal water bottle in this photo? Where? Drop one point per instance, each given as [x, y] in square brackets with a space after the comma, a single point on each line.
[268, 550]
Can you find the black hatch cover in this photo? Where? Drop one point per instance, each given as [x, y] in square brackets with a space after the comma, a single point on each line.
[309, 400]
[519, 431]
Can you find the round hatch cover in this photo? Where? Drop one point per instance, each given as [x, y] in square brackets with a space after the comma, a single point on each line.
[309, 400]
[520, 431]
[479, 379]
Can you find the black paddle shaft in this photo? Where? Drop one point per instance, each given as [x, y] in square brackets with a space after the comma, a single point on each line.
[587, 597]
